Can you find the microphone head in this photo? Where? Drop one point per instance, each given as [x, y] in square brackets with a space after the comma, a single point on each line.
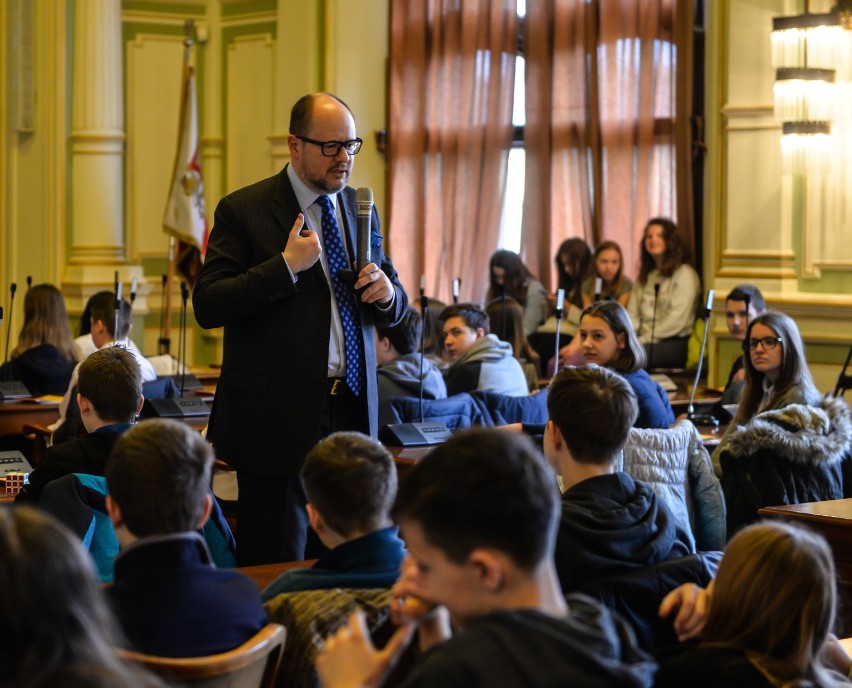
[656, 288]
[1, 313]
[13, 288]
[184, 292]
[709, 305]
[364, 199]
[164, 279]
[29, 281]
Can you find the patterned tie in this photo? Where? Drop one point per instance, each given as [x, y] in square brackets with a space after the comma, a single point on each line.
[345, 295]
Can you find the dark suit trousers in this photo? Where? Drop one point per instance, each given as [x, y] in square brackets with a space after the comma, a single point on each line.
[272, 524]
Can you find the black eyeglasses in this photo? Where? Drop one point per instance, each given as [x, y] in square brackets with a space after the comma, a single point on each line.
[768, 343]
[330, 149]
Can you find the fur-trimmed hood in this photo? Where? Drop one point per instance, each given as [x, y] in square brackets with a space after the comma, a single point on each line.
[820, 434]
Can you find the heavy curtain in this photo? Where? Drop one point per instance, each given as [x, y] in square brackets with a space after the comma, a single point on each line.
[607, 137]
[452, 65]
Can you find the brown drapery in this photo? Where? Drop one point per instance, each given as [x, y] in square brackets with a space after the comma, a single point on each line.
[452, 65]
[607, 138]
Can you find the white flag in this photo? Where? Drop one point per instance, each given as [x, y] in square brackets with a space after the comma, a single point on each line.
[184, 217]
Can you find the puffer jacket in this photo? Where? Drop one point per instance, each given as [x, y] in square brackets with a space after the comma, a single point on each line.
[791, 455]
[676, 464]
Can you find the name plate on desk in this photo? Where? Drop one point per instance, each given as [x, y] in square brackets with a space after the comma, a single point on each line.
[13, 389]
[175, 407]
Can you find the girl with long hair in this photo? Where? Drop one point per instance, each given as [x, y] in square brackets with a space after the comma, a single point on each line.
[510, 277]
[609, 268]
[665, 296]
[506, 320]
[46, 354]
[572, 265]
[771, 608]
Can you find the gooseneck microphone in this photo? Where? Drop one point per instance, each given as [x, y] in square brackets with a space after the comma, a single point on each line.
[12, 289]
[702, 418]
[184, 297]
[424, 304]
[560, 303]
[163, 343]
[653, 325]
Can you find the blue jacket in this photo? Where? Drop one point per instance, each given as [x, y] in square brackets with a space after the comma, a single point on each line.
[370, 561]
[655, 409]
[172, 601]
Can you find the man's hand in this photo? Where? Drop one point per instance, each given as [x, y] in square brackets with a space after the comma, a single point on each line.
[410, 605]
[692, 605]
[377, 287]
[349, 659]
[303, 247]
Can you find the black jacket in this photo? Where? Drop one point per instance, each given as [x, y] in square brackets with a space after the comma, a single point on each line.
[791, 455]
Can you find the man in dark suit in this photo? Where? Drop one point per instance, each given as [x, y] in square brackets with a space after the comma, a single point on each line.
[290, 374]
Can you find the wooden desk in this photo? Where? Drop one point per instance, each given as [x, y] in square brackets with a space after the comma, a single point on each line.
[264, 574]
[833, 520]
[15, 414]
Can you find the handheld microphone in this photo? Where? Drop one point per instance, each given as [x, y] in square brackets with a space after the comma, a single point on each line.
[560, 304]
[653, 324]
[12, 289]
[420, 432]
[598, 286]
[702, 418]
[456, 289]
[163, 342]
[364, 200]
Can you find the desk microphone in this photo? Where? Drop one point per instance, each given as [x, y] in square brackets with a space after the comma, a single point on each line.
[560, 303]
[456, 289]
[117, 310]
[653, 325]
[421, 432]
[163, 343]
[702, 418]
[12, 289]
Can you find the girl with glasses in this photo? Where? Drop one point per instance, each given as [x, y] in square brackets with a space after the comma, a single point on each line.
[785, 444]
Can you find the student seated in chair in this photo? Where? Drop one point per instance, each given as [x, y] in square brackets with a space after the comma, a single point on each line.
[169, 598]
[400, 369]
[610, 522]
[109, 394]
[479, 360]
[479, 515]
[350, 482]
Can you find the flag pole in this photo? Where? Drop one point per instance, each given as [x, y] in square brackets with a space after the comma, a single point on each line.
[165, 336]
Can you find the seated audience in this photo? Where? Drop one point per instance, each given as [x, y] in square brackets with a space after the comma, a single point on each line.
[665, 295]
[767, 618]
[87, 343]
[511, 278]
[610, 522]
[109, 393]
[170, 600]
[46, 354]
[478, 515]
[506, 320]
[785, 445]
[478, 360]
[350, 483]
[401, 368]
[573, 260]
[609, 268]
[56, 627]
[743, 303]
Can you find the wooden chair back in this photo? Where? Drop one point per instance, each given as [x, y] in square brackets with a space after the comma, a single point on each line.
[254, 664]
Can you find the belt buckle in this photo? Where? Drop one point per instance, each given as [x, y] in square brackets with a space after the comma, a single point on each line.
[334, 391]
